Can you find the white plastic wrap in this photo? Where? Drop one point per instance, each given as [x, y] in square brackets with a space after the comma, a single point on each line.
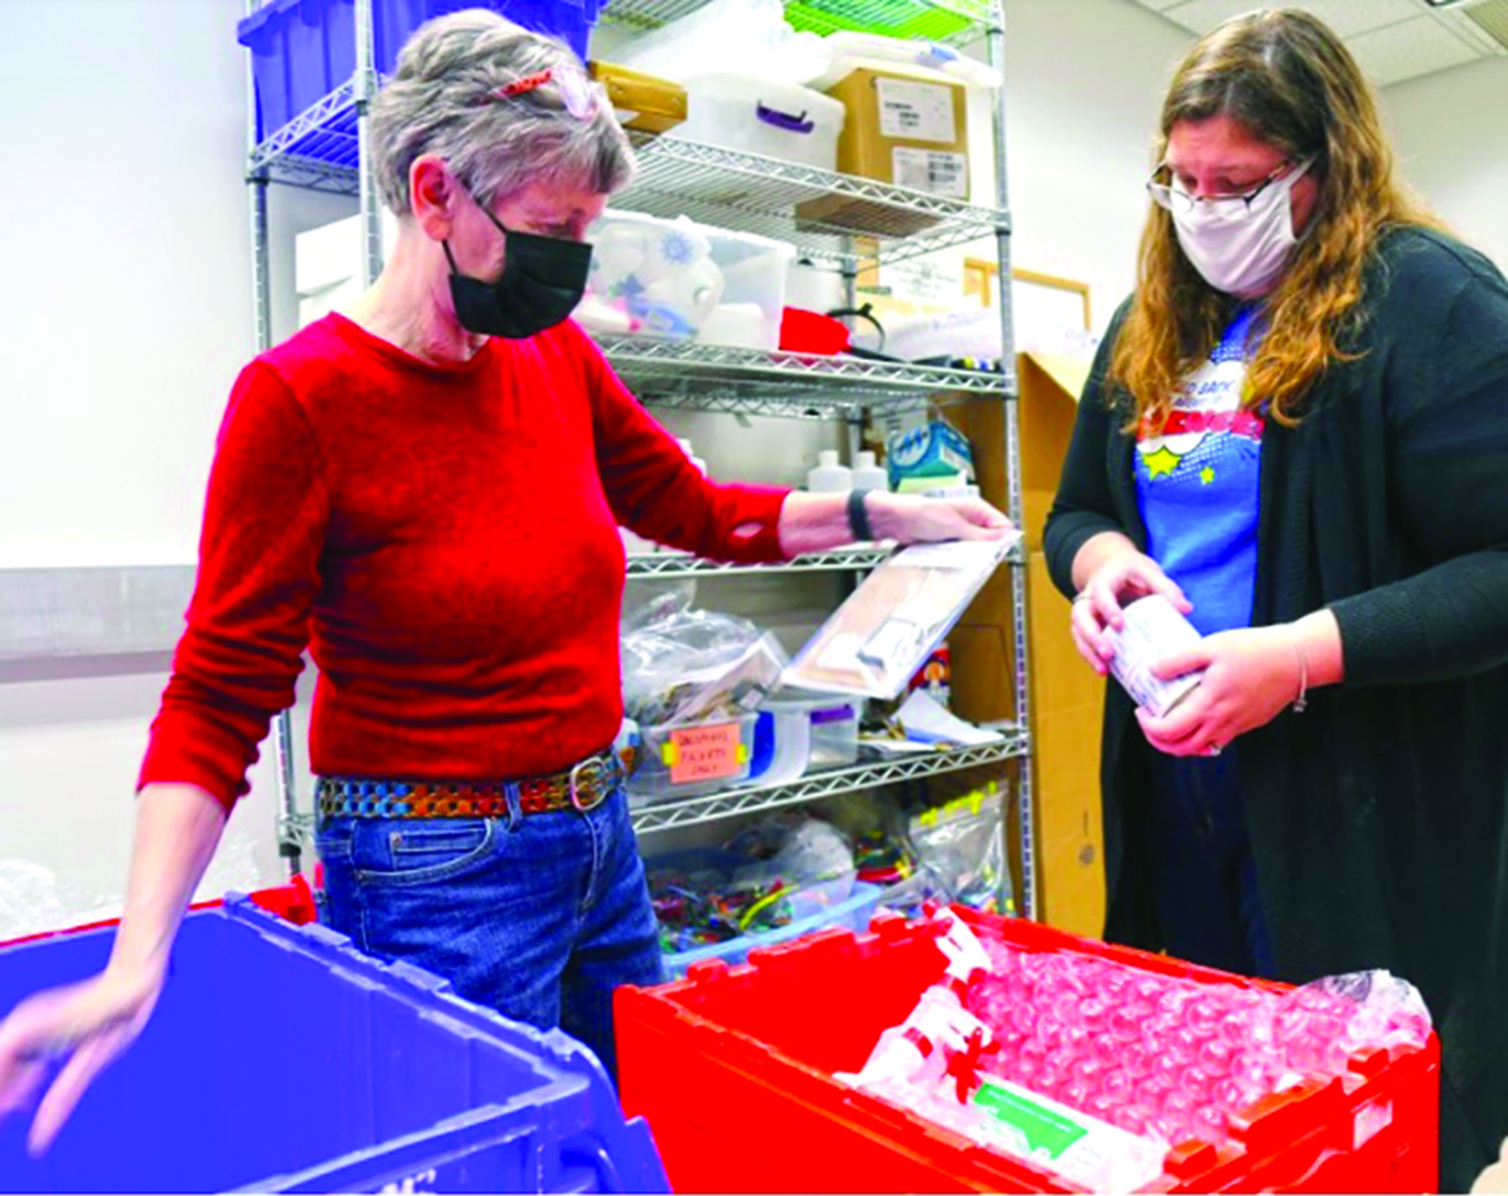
[876, 641]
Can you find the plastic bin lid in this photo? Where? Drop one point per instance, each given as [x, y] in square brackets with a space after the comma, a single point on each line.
[740, 85]
[851, 50]
[249, 26]
[784, 248]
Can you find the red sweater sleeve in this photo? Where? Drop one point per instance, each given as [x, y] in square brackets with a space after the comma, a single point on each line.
[248, 624]
[654, 489]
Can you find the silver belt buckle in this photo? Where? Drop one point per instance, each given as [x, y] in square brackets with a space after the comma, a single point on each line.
[594, 763]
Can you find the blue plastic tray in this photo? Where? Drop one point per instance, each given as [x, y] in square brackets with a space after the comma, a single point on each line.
[302, 50]
[282, 1060]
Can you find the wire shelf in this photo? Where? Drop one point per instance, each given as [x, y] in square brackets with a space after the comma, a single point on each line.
[819, 211]
[322, 137]
[753, 799]
[673, 566]
[955, 22]
[676, 565]
[695, 376]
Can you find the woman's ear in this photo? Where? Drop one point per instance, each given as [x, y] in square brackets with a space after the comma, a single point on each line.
[433, 192]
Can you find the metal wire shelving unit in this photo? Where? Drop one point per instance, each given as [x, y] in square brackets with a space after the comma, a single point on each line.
[751, 799]
[691, 375]
[672, 566]
[323, 148]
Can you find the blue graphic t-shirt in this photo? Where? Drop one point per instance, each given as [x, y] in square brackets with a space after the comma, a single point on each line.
[1196, 482]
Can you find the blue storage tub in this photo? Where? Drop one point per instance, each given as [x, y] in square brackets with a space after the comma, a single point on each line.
[282, 1060]
[302, 50]
[812, 909]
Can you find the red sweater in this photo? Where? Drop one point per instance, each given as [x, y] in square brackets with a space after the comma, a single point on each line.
[444, 541]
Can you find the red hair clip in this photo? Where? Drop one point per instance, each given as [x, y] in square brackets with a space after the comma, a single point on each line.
[523, 86]
[575, 89]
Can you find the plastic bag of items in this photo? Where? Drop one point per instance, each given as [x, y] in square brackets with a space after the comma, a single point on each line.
[805, 854]
[875, 643]
[959, 851]
[782, 869]
[682, 665]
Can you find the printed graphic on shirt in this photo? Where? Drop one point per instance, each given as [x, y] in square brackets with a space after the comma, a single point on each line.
[1197, 481]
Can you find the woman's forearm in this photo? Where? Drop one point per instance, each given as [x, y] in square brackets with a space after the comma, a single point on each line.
[178, 827]
[813, 523]
[818, 522]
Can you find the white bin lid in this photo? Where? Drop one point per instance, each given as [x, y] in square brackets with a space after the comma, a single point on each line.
[758, 89]
[914, 59]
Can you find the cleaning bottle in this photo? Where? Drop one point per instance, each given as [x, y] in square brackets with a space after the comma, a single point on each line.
[867, 475]
[829, 477]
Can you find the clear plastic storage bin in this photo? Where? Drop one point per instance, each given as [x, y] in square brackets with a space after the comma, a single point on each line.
[762, 116]
[835, 733]
[683, 280]
[693, 760]
[820, 905]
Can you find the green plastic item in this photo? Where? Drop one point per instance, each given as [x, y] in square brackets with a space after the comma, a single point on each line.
[914, 20]
[1042, 1128]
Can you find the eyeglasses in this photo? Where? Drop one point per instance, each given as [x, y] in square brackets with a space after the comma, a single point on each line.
[1168, 196]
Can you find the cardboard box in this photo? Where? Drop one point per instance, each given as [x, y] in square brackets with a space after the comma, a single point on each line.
[1050, 387]
[906, 131]
[899, 129]
[1067, 697]
[641, 102]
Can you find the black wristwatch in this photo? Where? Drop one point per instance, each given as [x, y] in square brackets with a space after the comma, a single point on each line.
[858, 516]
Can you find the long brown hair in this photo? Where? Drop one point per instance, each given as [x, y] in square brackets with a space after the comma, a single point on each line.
[1286, 78]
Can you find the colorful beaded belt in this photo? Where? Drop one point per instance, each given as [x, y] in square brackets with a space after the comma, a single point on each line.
[581, 788]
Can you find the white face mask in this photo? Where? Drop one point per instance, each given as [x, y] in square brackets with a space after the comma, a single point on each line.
[1239, 247]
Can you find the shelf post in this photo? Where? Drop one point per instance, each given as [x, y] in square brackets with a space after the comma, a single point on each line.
[371, 201]
[1026, 824]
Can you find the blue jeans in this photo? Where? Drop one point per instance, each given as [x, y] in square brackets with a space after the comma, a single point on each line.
[538, 916]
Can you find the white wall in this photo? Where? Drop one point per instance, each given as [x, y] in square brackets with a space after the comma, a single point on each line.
[125, 313]
[1448, 130]
[1084, 82]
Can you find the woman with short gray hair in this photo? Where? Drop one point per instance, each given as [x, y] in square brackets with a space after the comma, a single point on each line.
[426, 493]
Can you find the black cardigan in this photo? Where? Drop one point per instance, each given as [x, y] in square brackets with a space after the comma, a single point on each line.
[1378, 817]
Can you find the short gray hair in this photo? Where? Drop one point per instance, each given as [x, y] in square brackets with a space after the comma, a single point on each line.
[445, 98]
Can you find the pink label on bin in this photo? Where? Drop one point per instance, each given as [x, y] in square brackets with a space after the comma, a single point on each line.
[705, 753]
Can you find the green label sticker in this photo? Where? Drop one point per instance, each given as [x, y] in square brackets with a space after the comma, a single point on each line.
[1042, 1128]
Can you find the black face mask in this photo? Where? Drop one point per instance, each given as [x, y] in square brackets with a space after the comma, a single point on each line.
[542, 281]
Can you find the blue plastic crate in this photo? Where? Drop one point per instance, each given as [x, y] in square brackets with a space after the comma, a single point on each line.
[813, 910]
[302, 50]
[282, 1060]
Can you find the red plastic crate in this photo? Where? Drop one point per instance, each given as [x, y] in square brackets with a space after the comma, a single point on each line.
[732, 1067]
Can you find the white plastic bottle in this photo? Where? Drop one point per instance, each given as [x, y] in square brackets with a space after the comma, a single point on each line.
[867, 475]
[829, 477]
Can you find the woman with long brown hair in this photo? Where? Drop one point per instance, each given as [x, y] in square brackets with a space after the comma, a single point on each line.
[1297, 432]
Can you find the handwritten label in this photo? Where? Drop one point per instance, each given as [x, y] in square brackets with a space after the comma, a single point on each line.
[704, 753]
